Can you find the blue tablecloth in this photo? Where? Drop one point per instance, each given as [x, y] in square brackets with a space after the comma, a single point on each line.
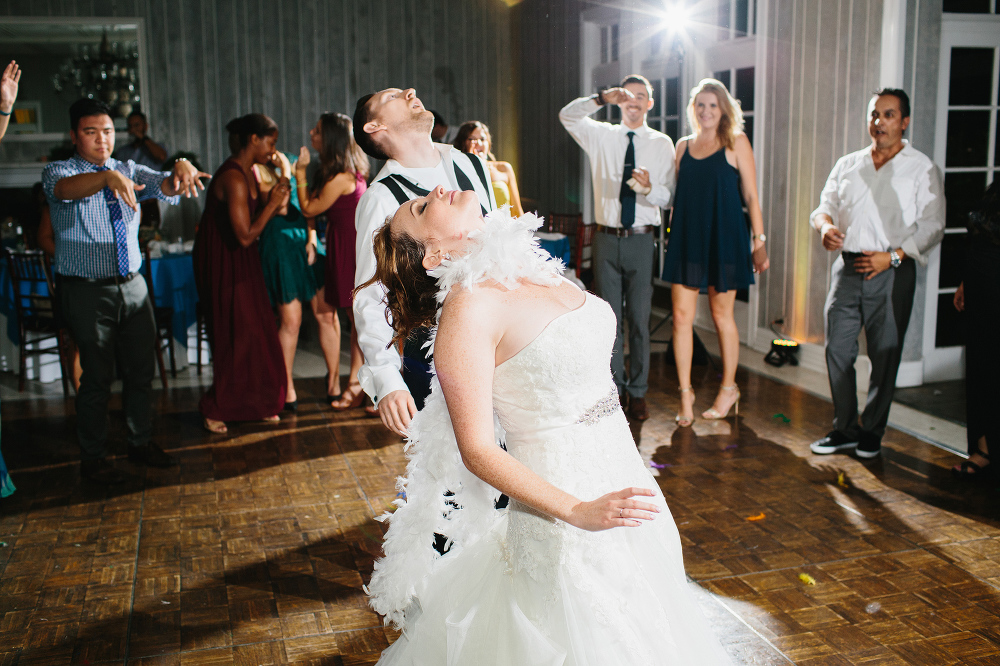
[173, 283]
[560, 249]
[173, 286]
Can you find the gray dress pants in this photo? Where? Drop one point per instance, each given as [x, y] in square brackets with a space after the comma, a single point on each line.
[111, 325]
[623, 276]
[882, 305]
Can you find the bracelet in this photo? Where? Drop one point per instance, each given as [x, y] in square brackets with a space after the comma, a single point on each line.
[301, 184]
[6, 113]
[600, 98]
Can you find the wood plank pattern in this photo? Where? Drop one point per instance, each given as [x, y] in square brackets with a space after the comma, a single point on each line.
[256, 548]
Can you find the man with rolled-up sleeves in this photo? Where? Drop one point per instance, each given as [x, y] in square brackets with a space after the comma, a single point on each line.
[883, 210]
[632, 167]
[94, 204]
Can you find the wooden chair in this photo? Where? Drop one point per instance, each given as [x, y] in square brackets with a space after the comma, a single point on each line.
[29, 273]
[581, 237]
[164, 317]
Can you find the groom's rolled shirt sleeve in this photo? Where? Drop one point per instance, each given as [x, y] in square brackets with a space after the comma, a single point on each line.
[380, 374]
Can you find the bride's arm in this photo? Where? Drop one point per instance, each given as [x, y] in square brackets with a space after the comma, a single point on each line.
[471, 327]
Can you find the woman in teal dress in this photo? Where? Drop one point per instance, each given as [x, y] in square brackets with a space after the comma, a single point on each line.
[293, 267]
[709, 249]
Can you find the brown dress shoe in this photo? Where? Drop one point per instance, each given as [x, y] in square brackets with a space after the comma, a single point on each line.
[623, 401]
[637, 409]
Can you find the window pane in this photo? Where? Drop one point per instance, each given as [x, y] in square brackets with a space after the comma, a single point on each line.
[616, 112]
[968, 138]
[614, 43]
[672, 130]
[971, 76]
[657, 93]
[745, 88]
[996, 141]
[604, 44]
[655, 124]
[723, 76]
[952, 256]
[742, 16]
[724, 6]
[962, 191]
[672, 97]
[748, 127]
[950, 329]
[966, 6]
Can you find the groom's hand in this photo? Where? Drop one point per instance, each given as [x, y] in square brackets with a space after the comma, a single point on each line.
[396, 409]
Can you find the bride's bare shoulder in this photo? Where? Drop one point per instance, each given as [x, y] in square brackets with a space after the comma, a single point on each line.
[477, 307]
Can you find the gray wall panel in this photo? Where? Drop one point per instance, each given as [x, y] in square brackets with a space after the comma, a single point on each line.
[212, 60]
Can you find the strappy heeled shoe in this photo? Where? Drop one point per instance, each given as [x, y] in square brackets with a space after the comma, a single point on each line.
[712, 414]
[684, 421]
[970, 471]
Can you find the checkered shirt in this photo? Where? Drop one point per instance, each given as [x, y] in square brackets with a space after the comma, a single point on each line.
[85, 241]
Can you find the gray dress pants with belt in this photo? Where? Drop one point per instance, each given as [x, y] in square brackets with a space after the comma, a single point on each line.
[112, 326]
[882, 306]
[623, 276]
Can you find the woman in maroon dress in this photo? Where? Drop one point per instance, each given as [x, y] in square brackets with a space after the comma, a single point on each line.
[337, 188]
[248, 368]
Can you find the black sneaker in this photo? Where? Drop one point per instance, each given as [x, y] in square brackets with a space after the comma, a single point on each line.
[834, 442]
[101, 471]
[150, 455]
[869, 446]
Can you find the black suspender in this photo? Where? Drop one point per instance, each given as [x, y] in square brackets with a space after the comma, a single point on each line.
[396, 183]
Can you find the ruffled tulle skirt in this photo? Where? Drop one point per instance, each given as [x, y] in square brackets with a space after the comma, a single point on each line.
[594, 599]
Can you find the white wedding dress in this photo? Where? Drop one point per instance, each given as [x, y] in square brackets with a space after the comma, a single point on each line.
[535, 591]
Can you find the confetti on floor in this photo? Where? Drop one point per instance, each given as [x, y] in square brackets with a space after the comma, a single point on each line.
[807, 579]
[784, 419]
[841, 481]
[657, 465]
[759, 516]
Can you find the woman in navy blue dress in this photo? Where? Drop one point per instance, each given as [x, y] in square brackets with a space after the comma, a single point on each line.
[710, 246]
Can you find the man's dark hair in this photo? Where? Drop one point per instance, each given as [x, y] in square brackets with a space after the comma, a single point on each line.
[137, 113]
[362, 115]
[640, 79]
[438, 119]
[900, 94]
[82, 108]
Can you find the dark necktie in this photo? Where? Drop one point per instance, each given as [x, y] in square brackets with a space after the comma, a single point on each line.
[627, 194]
[118, 227]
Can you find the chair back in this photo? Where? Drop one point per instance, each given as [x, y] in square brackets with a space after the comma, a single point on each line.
[584, 252]
[564, 223]
[34, 292]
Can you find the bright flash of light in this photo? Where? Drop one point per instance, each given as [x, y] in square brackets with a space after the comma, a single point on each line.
[675, 17]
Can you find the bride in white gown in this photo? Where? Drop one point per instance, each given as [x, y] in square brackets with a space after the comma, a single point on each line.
[585, 566]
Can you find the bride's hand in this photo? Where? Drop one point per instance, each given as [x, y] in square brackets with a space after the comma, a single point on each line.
[616, 509]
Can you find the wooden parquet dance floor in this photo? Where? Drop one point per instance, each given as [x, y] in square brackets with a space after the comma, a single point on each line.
[255, 550]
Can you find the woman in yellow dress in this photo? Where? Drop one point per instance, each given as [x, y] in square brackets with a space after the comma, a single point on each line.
[474, 137]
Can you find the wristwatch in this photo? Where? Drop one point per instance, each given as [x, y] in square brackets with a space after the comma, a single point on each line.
[894, 259]
[761, 237]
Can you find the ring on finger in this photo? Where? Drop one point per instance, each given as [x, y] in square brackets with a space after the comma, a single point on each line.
[621, 512]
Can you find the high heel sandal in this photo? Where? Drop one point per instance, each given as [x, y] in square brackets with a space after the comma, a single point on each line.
[713, 414]
[684, 421]
[350, 399]
[970, 471]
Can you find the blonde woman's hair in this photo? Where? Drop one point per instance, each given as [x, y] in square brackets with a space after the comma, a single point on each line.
[731, 122]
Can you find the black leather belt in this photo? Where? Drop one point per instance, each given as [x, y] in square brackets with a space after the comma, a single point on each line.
[621, 232]
[98, 282]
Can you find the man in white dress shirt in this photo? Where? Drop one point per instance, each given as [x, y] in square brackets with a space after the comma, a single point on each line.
[883, 209]
[393, 125]
[632, 167]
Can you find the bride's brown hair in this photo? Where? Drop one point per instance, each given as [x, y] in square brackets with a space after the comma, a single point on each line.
[411, 294]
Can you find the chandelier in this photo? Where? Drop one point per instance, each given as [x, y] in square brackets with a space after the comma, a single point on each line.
[108, 72]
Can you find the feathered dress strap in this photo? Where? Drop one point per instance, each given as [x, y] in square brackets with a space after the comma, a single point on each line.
[504, 251]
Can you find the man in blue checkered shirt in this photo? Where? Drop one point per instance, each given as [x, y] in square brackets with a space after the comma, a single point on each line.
[93, 201]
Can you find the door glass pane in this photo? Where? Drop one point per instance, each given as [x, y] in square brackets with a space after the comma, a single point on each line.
[971, 80]
[742, 13]
[616, 112]
[952, 256]
[654, 124]
[745, 88]
[967, 6]
[748, 127]
[962, 191]
[723, 76]
[673, 100]
[950, 331]
[996, 140]
[671, 130]
[724, 6]
[657, 92]
[968, 138]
